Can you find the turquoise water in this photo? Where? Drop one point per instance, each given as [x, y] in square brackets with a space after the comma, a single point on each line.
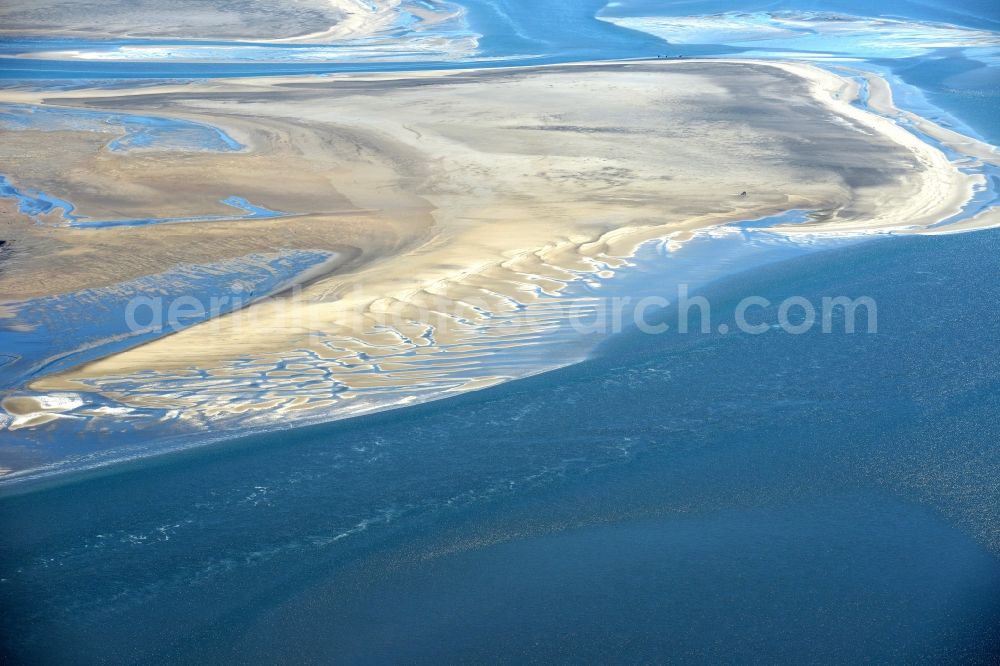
[717, 497]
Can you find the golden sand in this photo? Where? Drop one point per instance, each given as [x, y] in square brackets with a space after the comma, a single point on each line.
[467, 199]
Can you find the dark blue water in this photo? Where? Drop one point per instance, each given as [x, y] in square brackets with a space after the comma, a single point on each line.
[690, 498]
[769, 498]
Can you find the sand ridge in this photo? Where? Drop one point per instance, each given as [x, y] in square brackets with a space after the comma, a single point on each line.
[502, 188]
[260, 21]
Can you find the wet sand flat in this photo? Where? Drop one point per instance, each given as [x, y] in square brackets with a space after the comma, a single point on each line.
[257, 20]
[462, 196]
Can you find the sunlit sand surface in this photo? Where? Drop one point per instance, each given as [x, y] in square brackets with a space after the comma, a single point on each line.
[262, 31]
[469, 211]
[256, 21]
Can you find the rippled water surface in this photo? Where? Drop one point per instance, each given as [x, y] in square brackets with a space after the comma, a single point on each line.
[772, 498]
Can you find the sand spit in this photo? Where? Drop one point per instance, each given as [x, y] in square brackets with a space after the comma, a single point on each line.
[485, 195]
[259, 21]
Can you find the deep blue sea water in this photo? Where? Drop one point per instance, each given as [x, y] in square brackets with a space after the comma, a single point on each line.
[771, 498]
[690, 498]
